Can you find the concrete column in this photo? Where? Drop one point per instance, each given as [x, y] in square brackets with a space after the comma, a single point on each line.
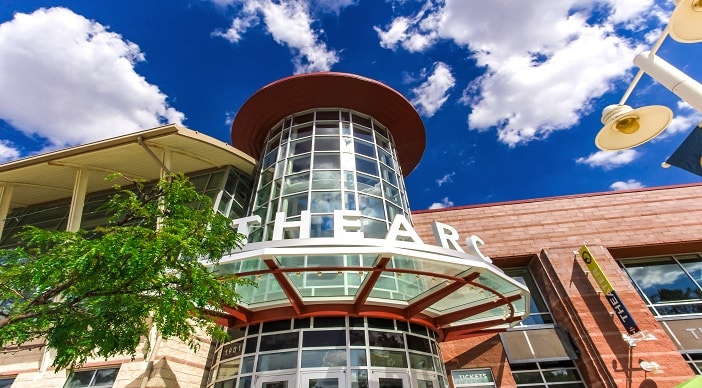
[80, 187]
[5, 197]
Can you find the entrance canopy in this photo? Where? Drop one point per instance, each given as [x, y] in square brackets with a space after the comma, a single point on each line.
[454, 293]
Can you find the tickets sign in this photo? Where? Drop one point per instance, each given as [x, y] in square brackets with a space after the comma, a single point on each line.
[601, 279]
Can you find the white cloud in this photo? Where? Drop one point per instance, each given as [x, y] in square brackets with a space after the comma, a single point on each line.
[69, 80]
[686, 117]
[290, 24]
[628, 185]
[443, 204]
[608, 160]
[8, 151]
[543, 64]
[445, 179]
[431, 94]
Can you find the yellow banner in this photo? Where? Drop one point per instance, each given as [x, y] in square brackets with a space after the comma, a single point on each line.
[595, 270]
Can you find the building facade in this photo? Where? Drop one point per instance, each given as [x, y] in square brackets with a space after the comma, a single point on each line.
[357, 290]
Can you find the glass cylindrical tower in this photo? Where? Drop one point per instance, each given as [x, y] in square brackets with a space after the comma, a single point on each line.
[347, 295]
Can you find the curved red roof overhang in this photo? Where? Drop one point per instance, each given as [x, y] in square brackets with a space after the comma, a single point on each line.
[330, 90]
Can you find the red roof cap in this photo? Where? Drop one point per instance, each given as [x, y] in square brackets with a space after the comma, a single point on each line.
[330, 90]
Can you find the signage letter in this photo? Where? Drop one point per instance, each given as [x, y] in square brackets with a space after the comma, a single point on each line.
[281, 225]
[242, 224]
[347, 224]
[401, 230]
[446, 236]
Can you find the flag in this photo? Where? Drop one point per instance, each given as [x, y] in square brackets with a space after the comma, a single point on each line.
[688, 156]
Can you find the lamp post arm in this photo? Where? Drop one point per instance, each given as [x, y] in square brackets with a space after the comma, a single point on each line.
[672, 78]
[640, 73]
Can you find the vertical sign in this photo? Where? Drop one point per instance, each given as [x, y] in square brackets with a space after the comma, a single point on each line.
[619, 309]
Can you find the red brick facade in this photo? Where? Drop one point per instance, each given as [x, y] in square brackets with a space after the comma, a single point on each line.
[543, 234]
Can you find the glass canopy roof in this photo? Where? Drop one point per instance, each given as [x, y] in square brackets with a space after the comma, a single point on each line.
[455, 293]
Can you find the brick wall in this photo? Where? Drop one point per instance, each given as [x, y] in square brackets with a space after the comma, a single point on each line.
[546, 232]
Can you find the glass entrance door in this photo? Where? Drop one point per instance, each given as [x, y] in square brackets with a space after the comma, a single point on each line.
[389, 380]
[323, 380]
[276, 381]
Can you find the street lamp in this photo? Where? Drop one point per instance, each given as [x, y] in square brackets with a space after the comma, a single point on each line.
[625, 127]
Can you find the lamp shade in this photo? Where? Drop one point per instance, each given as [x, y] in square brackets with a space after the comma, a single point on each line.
[625, 127]
[685, 23]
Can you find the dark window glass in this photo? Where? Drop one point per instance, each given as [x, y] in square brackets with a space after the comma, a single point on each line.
[250, 346]
[356, 322]
[270, 327]
[330, 322]
[357, 337]
[303, 118]
[385, 339]
[327, 115]
[302, 323]
[312, 339]
[279, 341]
[418, 329]
[419, 344]
[379, 323]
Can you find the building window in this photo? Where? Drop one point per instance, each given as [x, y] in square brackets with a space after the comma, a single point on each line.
[538, 311]
[6, 382]
[670, 285]
[558, 374]
[103, 378]
[694, 359]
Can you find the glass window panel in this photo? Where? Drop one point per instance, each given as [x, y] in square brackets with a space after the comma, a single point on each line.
[693, 265]
[324, 383]
[368, 184]
[385, 157]
[361, 120]
[349, 201]
[80, 379]
[313, 339]
[298, 164]
[276, 361]
[273, 326]
[393, 211]
[425, 384]
[328, 115]
[300, 132]
[663, 280]
[358, 357]
[390, 382]
[357, 337]
[326, 144]
[388, 358]
[248, 364]
[300, 146]
[345, 128]
[279, 341]
[322, 226]
[421, 361]
[228, 369]
[371, 206]
[392, 194]
[294, 204]
[327, 129]
[323, 358]
[383, 143]
[385, 339]
[420, 344]
[330, 321]
[558, 375]
[374, 228]
[359, 379]
[364, 148]
[296, 183]
[388, 175]
[330, 161]
[367, 166]
[303, 118]
[527, 377]
[325, 201]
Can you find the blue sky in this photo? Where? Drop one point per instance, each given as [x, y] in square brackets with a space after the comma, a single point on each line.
[511, 93]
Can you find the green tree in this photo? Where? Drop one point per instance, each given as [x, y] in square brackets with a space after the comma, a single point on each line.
[96, 293]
